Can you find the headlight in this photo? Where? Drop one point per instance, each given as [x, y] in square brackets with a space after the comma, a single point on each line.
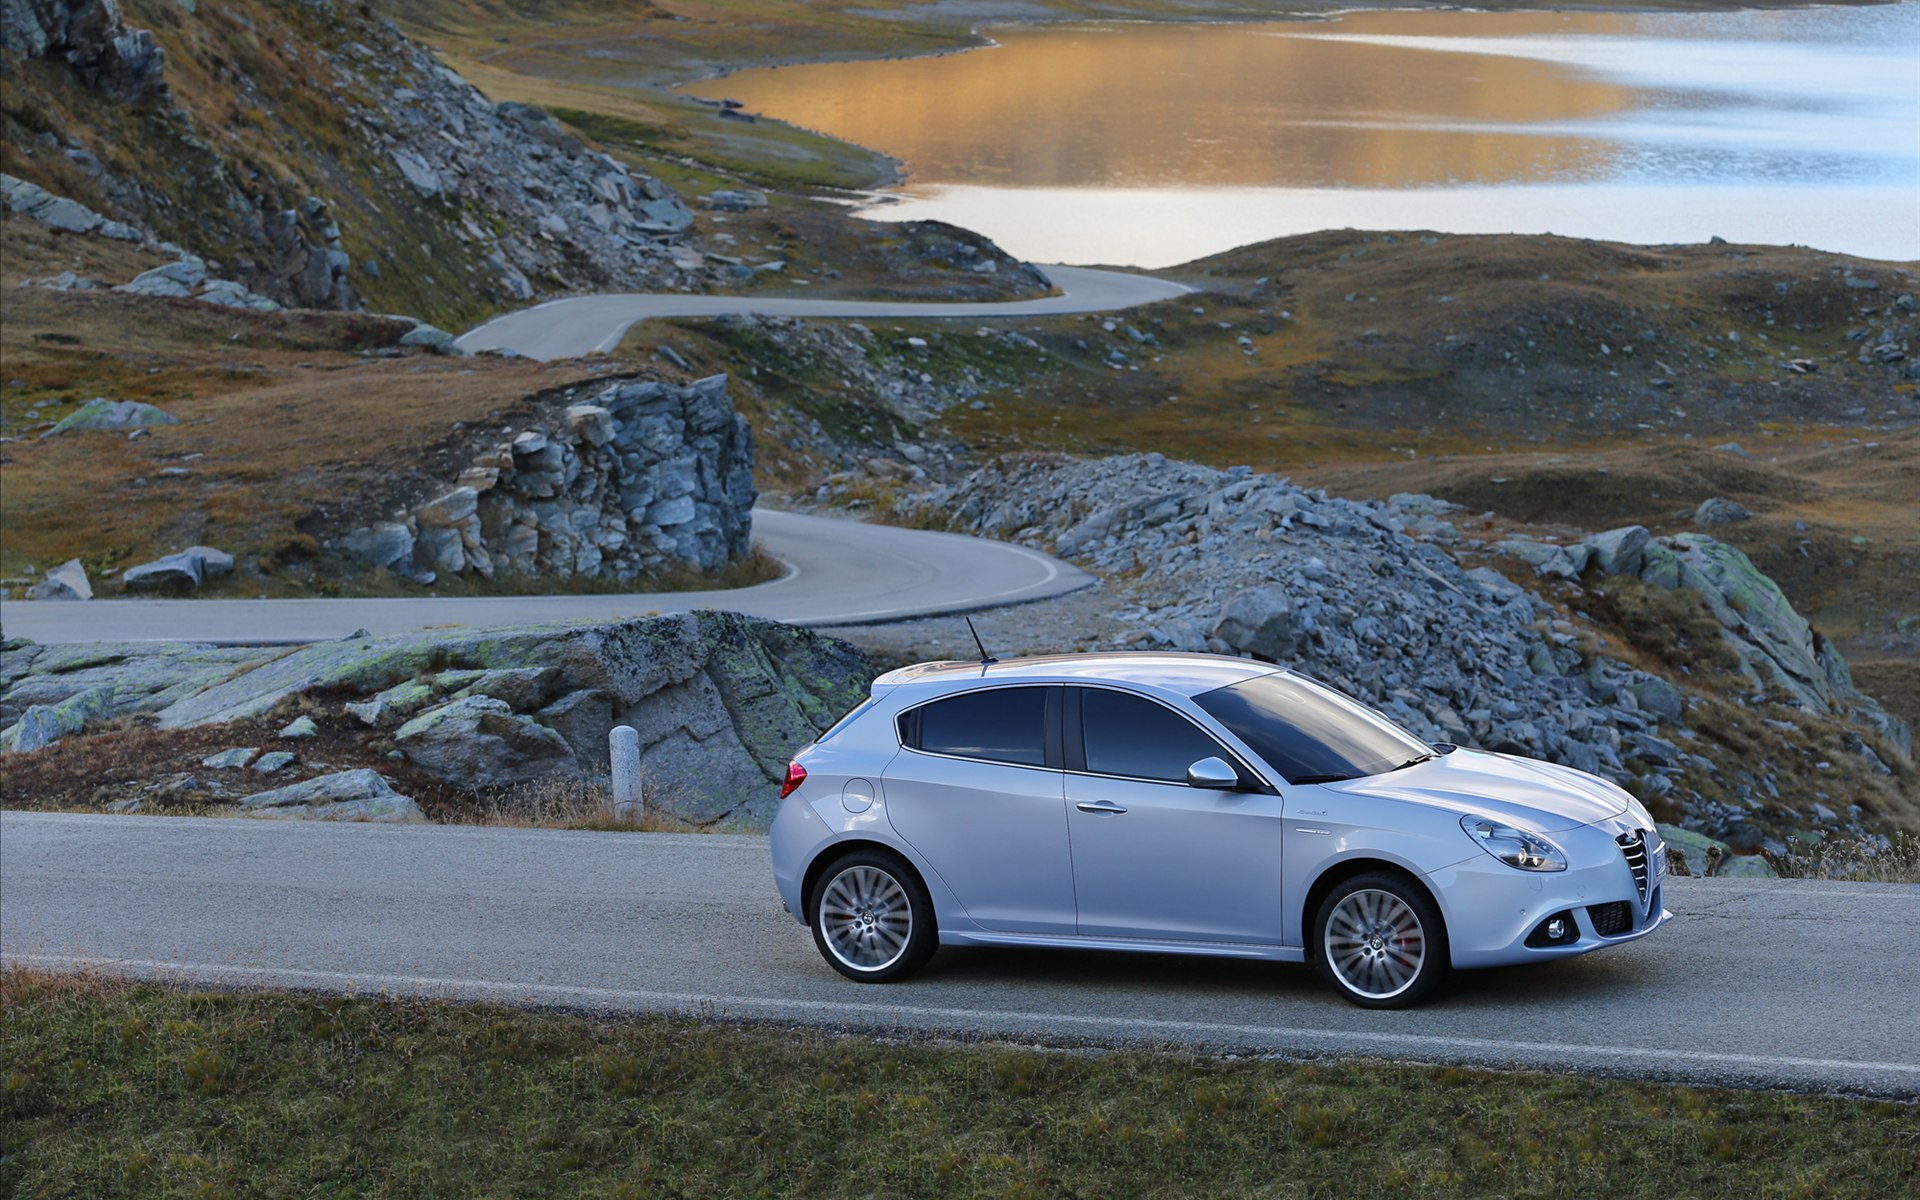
[1517, 848]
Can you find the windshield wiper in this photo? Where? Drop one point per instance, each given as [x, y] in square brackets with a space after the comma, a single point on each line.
[1322, 778]
[1415, 761]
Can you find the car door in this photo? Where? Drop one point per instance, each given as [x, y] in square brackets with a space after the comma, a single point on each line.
[977, 789]
[1152, 856]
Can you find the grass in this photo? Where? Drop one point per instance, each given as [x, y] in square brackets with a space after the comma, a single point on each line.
[120, 1089]
[1897, 860]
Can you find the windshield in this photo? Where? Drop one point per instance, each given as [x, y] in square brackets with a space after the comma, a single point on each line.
[1310, 733]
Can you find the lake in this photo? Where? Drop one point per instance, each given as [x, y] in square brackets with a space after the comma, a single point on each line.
[1149, 145]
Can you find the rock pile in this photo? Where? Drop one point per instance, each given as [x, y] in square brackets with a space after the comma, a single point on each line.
[1367, 597]
[720, 700]
[637, 477]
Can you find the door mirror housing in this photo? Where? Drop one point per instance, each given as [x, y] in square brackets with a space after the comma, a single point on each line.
[1214, 773]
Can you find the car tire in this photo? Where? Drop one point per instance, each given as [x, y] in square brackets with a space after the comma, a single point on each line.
[871, 917]
[1379, 940]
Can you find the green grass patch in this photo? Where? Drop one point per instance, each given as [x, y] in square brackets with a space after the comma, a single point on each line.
[116, 1089]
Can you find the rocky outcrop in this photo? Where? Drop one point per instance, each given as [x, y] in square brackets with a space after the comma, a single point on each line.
[620, 484]
[359, 795]
[183, 571]
[68, 581]
[93, 39]
[1780, 654]
[101, 413]
[480, 742]
[721, 700]
[393, 178]
[1373, 598]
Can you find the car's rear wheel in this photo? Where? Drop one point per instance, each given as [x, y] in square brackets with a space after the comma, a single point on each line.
[871, 916]
[1380, 941]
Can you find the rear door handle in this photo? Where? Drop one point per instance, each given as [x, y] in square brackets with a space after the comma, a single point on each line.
[1099, 806]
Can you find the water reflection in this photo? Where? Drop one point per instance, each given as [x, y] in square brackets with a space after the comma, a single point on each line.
[1401, 101]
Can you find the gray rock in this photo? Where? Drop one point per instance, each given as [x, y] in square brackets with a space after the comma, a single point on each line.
[480, 742]
[1718, 510]
[44, 724]
[1620, 551]
[1262, 621]
[68, 581]
[385, 546]
[299, 729]
[101, 413]
[187, 569]
[422, 176]
[437, 340]
[273, 761]
[227, 760]
[736, 200]
[358, 795]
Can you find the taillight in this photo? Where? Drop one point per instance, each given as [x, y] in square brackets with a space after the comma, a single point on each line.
[796, 775]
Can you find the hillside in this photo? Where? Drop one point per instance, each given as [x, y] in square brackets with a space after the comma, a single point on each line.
[316, 155]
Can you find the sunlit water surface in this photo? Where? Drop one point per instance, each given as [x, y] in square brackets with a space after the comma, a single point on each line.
[1152, 145]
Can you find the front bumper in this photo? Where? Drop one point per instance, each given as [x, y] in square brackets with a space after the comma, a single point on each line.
[1491, 908]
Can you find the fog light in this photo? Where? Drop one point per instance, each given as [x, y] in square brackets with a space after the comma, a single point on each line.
[1556, 929]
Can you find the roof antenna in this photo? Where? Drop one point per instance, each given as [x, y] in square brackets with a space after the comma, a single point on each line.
[986, 660]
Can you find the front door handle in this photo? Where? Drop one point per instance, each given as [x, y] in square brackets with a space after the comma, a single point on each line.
[1099, 806]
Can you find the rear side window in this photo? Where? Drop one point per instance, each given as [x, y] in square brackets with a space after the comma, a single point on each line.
[1132, 736]
[1006, 725]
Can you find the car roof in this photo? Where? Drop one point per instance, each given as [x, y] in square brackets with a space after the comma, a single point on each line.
[1184, 674]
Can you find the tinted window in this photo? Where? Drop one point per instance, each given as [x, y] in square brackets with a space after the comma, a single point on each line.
[1308, 732]
[1001, 724]
[1128, 735]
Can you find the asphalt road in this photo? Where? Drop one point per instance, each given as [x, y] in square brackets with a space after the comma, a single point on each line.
[1793, 984]
[840, 572]
[583, 324]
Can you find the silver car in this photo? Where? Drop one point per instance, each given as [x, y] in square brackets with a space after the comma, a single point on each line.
[1194, 804]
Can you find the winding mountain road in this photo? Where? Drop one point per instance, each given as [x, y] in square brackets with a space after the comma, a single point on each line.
[839, 572]
[1775, 983]
[583, 324]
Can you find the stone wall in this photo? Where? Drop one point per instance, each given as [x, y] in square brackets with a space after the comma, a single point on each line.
[638, 478]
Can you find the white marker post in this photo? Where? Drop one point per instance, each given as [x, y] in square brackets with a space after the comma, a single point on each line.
[623, 749]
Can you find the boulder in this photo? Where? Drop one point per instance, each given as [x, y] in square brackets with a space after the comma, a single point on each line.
[1719, 510]
[101, 413]
[386, 546]
[736, 200]
[435, 339]
[68, 581]
[187, 569]
[1262, 621]
[480, 742]
[299, 729]
[44, 724]
[358, 795]
[1619, 551]
[228, 760]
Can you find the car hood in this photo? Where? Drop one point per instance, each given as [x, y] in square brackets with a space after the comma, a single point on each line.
[1532, 795]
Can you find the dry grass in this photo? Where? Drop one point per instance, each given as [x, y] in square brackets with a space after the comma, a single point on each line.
[558, 802]
[1894, 860]
[284, 426]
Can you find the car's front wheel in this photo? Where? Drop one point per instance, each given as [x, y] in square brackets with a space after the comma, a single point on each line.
[872, 918]
[1380, 941]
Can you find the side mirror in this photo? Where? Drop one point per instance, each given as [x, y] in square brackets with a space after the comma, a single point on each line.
[1214, 773]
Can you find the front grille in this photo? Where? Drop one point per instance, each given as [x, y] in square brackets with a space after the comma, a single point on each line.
[1611, 920]
[1634, 846]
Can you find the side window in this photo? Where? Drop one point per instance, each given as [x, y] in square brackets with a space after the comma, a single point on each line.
[998, 724]
[1131, 736]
